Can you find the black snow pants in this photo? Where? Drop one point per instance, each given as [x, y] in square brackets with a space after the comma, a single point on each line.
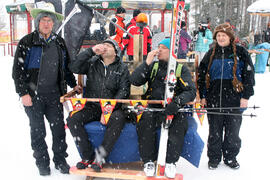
[89, 114]
[47, 105]
[147, 130]
[227, 145]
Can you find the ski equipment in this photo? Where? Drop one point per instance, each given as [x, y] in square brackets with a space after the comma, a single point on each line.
[178, 6]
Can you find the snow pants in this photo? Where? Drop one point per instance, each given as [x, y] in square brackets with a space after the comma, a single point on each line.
[147, 134]
[47, 105]
[227, 145]
[89, 114]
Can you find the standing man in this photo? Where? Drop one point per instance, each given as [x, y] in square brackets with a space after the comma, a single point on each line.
[40, 73]
[185, 91]
[115, 32]
[185, 39]
[107, 78]
[141, 20]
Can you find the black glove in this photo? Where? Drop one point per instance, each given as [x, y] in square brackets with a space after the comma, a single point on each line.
[171, 109]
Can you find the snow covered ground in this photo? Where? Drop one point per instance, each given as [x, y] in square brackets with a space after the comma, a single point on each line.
[16, 161]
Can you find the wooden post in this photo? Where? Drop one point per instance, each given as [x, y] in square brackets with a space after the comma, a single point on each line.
[137, 50]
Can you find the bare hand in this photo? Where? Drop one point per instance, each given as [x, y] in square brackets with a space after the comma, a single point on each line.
[78, 89]
[27, 100]
[102, 120]
[243, 103]
[151, 56]
[203, 102]
[99, 49]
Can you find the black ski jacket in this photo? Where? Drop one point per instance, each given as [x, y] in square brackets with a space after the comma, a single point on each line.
[221, 92]
[28, 62]
[184, 92]
[108, 82]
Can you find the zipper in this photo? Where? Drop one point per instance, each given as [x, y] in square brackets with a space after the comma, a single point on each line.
[221, 78]
[103, 83]
[39, 67]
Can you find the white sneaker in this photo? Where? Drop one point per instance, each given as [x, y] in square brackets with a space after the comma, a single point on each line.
[149, 169]
[170, 170]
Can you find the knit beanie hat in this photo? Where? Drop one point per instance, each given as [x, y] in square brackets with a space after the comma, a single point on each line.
[225, 28]
[115, 45]
[120, 10]
[166, 42]
[136, 12]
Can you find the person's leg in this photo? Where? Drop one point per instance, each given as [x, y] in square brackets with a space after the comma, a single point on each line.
[35, 114]
[76, 126]
[215, 137]
[54, 114]
[232, 142]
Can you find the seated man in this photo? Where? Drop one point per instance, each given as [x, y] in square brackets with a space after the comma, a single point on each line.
[107, 78]
[184, 91]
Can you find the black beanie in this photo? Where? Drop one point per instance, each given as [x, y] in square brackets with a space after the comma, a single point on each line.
[136, 12]
[115, 45]
[120, 10]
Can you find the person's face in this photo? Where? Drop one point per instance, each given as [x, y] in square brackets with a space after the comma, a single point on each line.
[108, 50]
[45, 25]
[223, 39]
[163, 53]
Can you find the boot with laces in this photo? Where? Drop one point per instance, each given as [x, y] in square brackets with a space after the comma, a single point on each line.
[149, 169]
[170, 170]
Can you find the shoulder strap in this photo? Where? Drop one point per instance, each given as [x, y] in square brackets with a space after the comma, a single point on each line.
[154, 71]
[178, 70]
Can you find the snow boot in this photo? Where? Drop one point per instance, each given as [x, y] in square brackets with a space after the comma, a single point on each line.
[99, 159]
[84, 164]
[149, 169]
[212, 165]
[170, 170]
[44, 171]
[62, 167]
[232, 164]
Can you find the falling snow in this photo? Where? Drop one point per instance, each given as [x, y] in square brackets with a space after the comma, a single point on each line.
[16, 154]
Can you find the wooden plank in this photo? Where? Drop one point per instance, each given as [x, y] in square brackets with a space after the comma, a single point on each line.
[118, 174]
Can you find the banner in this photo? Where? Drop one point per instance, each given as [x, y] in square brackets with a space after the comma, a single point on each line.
[140, 106]
[77, 105]
[107, 107]
[200, 112]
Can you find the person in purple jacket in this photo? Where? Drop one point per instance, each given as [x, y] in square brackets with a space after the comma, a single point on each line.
[185, 39]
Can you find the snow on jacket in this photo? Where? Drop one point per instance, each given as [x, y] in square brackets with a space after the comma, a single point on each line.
[115, 32]
[200, 46]
[183, 94]
[221, 92]
[28, 63]
[147, 39]
[108, 82]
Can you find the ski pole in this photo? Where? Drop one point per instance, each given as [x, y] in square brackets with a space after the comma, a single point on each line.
[91, 9]
[75, 10]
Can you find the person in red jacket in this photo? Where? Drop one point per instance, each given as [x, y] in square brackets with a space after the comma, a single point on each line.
[115, 32]
[132, 22]
[135, 29]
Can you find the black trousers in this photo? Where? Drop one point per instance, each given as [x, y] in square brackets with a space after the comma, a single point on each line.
[147, 129]
[89, 114]
[47, 105]
[228, 144]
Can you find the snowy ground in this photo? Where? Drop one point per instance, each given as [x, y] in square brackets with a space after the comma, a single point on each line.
[16, 161]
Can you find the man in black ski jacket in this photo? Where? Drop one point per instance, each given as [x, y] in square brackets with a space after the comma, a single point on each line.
[107, 78]
[185, 92]
[40, 73]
